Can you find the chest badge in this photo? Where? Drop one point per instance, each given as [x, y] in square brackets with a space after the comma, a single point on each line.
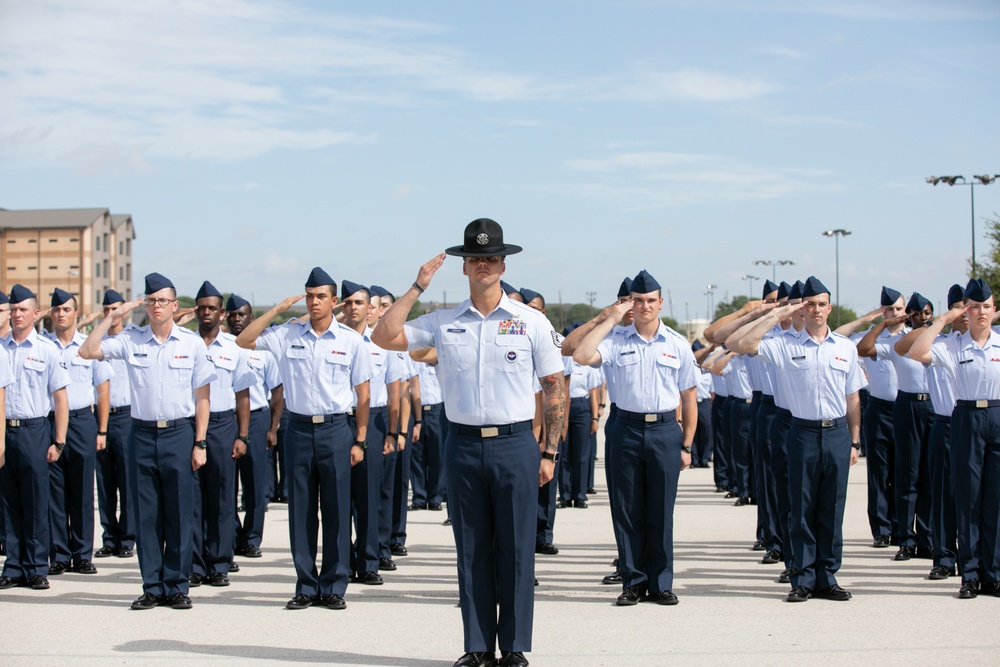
[511, 356]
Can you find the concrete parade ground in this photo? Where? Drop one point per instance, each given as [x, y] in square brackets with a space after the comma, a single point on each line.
[731, 611]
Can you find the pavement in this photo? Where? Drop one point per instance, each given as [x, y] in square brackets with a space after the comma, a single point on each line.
[731, 611]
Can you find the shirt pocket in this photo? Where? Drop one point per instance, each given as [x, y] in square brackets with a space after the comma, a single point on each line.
[35, 374]
[181, 370]
[513, 354]
[338, 363]
[667, 367]
[224, 367]
[81, 370]
[456, 351]
[140, 368]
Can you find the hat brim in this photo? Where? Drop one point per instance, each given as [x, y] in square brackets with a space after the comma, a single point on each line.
[460, 251]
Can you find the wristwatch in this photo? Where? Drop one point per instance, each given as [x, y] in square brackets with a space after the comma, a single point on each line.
[245, 439]
[856, 445]
[60, 446]
[201, 444]
[686, 449]
[551, 456]
[363, 444]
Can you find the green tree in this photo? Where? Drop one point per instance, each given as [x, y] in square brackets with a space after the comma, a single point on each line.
[989, 270]
[724, 308]
[672, 323]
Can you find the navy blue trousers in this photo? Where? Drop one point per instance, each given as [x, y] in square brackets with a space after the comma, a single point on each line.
[545, 533]
[767, 513]
[71, 503]
[24, 485]
[492, 485]
[911, 420]
[401, 489]
[720, 430]
[386, 493]
[252, 469]
[426, 476]
[610, 440]
[276, 456]
[647, 464]
[819, 460]
[215, 499]
[163, 505]
[701, 452]
[943, 529]
[577, 451]
[113, 484]
[876, 422]
[319, 478]
[366, 487]
[781, 500]
[975, 465]
[738, 414]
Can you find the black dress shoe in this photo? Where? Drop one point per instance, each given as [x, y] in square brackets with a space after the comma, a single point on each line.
[195, 580]
[835, 593]
[941, 572]
[758, 546]
[613, 578]
[300, 601]
[732, 494]
[125, 552]
[904, 553]
[38, 583]
[334, 602]
[536, 581]
[742, 501]
[233, 566]
[548, 549]
[179, 601]
[924, 552]
[582, 504]
[989, 588]
[370, 579]
[85, 567]
[720, 489]
[416, 507]
[969, 590]
[398, 550]
[614, 563]
[631, 596]
[513, 659]
[881, 542]
[386, 564]
[105, 552]
[446, 522]
[252, 551]
[591, 491]
[799, 594]
[57, 568]
[218, 579]
[145, 601]
[486, 659]
[563, 504]
[434, 507]
[771, 557]
[786, 575]
[8, 582]
[664, 597]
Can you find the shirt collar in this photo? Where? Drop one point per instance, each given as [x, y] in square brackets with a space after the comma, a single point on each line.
[305, 328]
[505, 305]
[966, 343]
[661, 332]
[174, 333]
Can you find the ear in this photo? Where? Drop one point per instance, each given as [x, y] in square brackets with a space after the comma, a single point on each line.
[503, 268]
[464, 267]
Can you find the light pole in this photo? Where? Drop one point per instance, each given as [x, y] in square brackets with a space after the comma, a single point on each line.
[984, 179]
[747, 277]
[710, 291]
[836, 234]
[774, 264]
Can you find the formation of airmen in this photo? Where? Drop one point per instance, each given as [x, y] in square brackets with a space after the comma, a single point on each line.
[485, 409]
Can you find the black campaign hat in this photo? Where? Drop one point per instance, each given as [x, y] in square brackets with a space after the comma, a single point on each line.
[483, 238]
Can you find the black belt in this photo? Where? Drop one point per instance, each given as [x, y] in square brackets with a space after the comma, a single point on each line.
[259, 409]
[739, 399]
[881, 402]
[941, 418]
[491, 431]
[648, 417]
[977, 404]
[219, 416]
[89, 410]
[913, 397]
[579, 398]
[767, 398]
[124, 408]
[782, 411]
[427, 408]
[819, 423]
[34, 421]
[314, 419]
[162, 423]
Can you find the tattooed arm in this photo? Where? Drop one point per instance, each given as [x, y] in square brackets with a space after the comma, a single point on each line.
[554, 411]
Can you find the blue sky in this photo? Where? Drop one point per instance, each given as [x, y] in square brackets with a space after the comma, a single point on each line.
[254, 140]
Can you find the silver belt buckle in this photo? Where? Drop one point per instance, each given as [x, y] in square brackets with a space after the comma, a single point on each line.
[13, 423]
[826, 423]
[161, 423]
[427, 408]
[982, 404]
[749, 400]
[649, 419]
[489, 432]
[317, 419]
[923, 397]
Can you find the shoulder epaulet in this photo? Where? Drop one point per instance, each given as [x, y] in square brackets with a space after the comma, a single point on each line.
[344, 327]
[841, 337]
[682, 337]
[189, 332]
[227, 336]
[48, 341]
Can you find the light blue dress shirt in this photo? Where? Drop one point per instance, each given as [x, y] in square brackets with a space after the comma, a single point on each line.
[118, 388]
[975, 371]
[882, 382]
[232, 373]
[780, 399]
[911, 376]
[704, 385]
[85, 374]
[38, 372]
[430, 388]
[267, 377]
[940, 387]
[649, 374]
[320, 371]
[162, 376]
[737, 378]
[486, 362]
[387, 367]
[818, 375]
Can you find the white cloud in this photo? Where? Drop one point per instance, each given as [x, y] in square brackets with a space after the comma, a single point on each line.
[782, 52]
[695, 85]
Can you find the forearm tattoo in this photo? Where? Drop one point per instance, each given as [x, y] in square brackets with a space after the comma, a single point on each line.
[554, 407]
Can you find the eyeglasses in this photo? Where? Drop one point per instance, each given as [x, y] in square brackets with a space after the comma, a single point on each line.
[162, 303]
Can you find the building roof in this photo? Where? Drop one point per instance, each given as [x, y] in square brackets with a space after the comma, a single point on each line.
[70, 218]
[119, 219]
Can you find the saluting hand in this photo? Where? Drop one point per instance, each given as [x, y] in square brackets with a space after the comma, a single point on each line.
[893, 321]
[619, 308]
[428, 270]
[289, 302]
[121, 311]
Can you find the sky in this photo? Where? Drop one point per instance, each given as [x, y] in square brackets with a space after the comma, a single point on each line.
[253, 140]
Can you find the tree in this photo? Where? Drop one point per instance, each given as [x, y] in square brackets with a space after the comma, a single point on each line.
[724, 308]
[672, 323]
[989, 270]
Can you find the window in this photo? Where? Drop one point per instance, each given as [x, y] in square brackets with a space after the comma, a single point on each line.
[97, 299]
[53, 268]
[9, 241]
[121, 273]
[97, 243]
[121, 248]
[74, 240]
[32, 268]
[32, 240]
[107, 269]
[128, 272]
[97, 270]
[53, 240]
[12, 268]
[74, 266]
[106, 246]
[128, 246]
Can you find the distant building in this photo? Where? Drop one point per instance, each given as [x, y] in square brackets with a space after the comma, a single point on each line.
[85, 251]
[695, 329]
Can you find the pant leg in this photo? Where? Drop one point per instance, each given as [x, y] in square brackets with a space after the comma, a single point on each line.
[59, 551]
[386, 490]
[835, 464]
[905, 417]
[942, 494]
[333, 465]
[804, 476]
[662, 464]
[703, 445]
[366, 483]
[81, 445]
[173, 459]
[578, 448]
[720, 463]
[24, 481]
[435, 427]
[302, 487]
[630, 503]
[989, 555]
[880, 454]
[767, 513]
[401, 490]
[111, 471]
[253, 470]
[782, 500]
[739, 438]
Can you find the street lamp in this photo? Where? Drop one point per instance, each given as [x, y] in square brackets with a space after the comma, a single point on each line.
[836, 234]
[747, 277]
[710, 291]
[984, 179]
[774, 264]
